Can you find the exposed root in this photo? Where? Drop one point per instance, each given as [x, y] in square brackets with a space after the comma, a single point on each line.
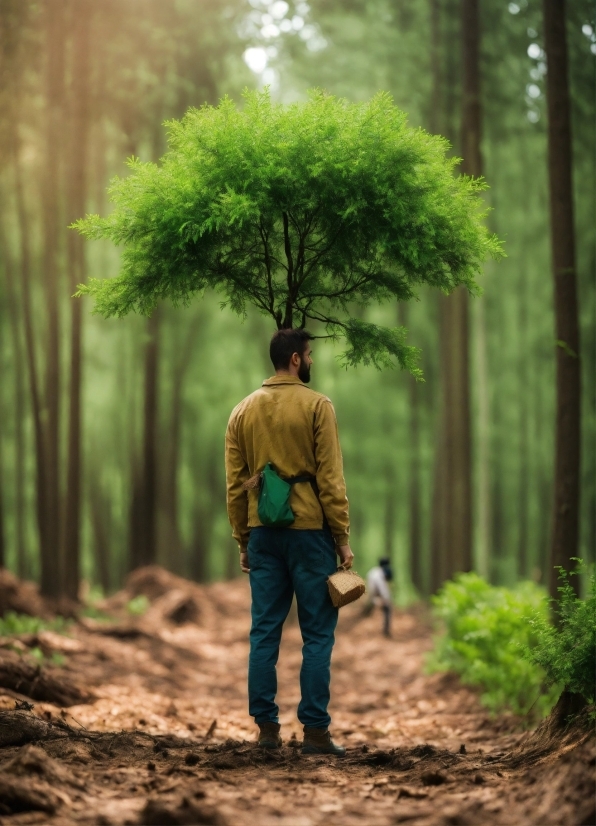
[38, 682]
[20, 727]
[567, 727]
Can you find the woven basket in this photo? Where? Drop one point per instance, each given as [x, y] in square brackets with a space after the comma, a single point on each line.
[345, 587]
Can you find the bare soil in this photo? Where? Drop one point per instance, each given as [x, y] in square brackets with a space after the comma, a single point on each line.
[145, 722]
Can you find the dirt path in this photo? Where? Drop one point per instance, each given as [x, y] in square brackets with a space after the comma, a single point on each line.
[420, 748]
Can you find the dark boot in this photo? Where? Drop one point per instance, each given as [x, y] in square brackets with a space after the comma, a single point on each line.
[269, 735]
[318, 741]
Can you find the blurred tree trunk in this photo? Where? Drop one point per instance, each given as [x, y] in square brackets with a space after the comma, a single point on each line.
[389, 521]
[483, 533]
[523, 556]
[101, 527]
[52, 563]
[19, 402]
[170, 541]
[25, 234]
[4, 418]
[206, 480]
[143, 538]
[414, 475]
[565, 535]
[452, 516]
[76, 186]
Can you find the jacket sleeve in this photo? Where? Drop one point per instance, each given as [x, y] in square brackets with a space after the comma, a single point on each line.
[330, 474]
[236, 497]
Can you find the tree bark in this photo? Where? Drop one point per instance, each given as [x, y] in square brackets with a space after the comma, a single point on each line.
[76, 186]
[565, 531]
[52, 582]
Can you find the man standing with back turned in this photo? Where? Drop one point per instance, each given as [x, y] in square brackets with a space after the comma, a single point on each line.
[287, 424]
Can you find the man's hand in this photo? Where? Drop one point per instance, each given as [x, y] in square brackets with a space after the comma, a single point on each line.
[244, 562]
[346, 557]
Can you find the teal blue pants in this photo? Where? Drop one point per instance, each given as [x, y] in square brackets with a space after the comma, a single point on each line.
[284, 562]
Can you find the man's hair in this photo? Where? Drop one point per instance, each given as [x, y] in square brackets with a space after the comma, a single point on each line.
[284, 343]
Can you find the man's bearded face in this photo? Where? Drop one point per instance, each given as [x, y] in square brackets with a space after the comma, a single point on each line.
[304, 370]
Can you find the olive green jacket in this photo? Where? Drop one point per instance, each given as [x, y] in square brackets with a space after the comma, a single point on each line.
[293, 427]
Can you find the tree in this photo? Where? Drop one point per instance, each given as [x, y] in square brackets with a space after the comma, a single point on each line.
[452, 531]
[76, 192]
[299, 210]
[565, 533]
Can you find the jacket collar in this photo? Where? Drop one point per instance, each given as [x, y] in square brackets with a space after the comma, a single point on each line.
[281, 380]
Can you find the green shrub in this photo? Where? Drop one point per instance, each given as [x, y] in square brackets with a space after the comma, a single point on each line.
[12, 623]
[486, 630]
[567, 650]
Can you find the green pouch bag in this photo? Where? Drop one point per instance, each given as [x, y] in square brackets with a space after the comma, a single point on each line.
[274, 498]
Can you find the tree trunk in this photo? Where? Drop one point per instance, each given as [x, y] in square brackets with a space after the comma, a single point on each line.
[170, 542]
[32, 368]
[143, 544]
[76, 186]
[52, 583]
[207, 479]
[19, 404]
[389, 521]
[451, 530]
[2, 477]
[523, 555]
[452, 512]
[483, 532]
[565, 533]
[471, 136]
[414, 476]
[101, 526]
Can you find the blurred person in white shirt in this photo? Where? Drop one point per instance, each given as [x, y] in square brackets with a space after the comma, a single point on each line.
[379, 592]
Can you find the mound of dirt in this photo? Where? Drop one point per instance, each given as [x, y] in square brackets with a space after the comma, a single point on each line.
[21, 597]
[31, 781]
[166, 810]
[172, 599]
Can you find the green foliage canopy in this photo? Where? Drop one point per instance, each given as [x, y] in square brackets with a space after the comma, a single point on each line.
[301, 210]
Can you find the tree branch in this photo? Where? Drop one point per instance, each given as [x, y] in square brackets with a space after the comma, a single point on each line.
[290, 275]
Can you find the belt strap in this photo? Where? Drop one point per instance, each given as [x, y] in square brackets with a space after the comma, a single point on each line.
[292, 480]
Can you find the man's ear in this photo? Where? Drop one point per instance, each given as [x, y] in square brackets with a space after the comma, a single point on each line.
[295, 359]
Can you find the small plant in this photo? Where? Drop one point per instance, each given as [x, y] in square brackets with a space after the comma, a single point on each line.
[137, 605]
[93, 612]
[12, 624]
[486, 629]
[566, 651]
[56, 658]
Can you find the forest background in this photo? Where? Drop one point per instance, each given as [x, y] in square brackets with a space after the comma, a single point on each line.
[111, 431]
